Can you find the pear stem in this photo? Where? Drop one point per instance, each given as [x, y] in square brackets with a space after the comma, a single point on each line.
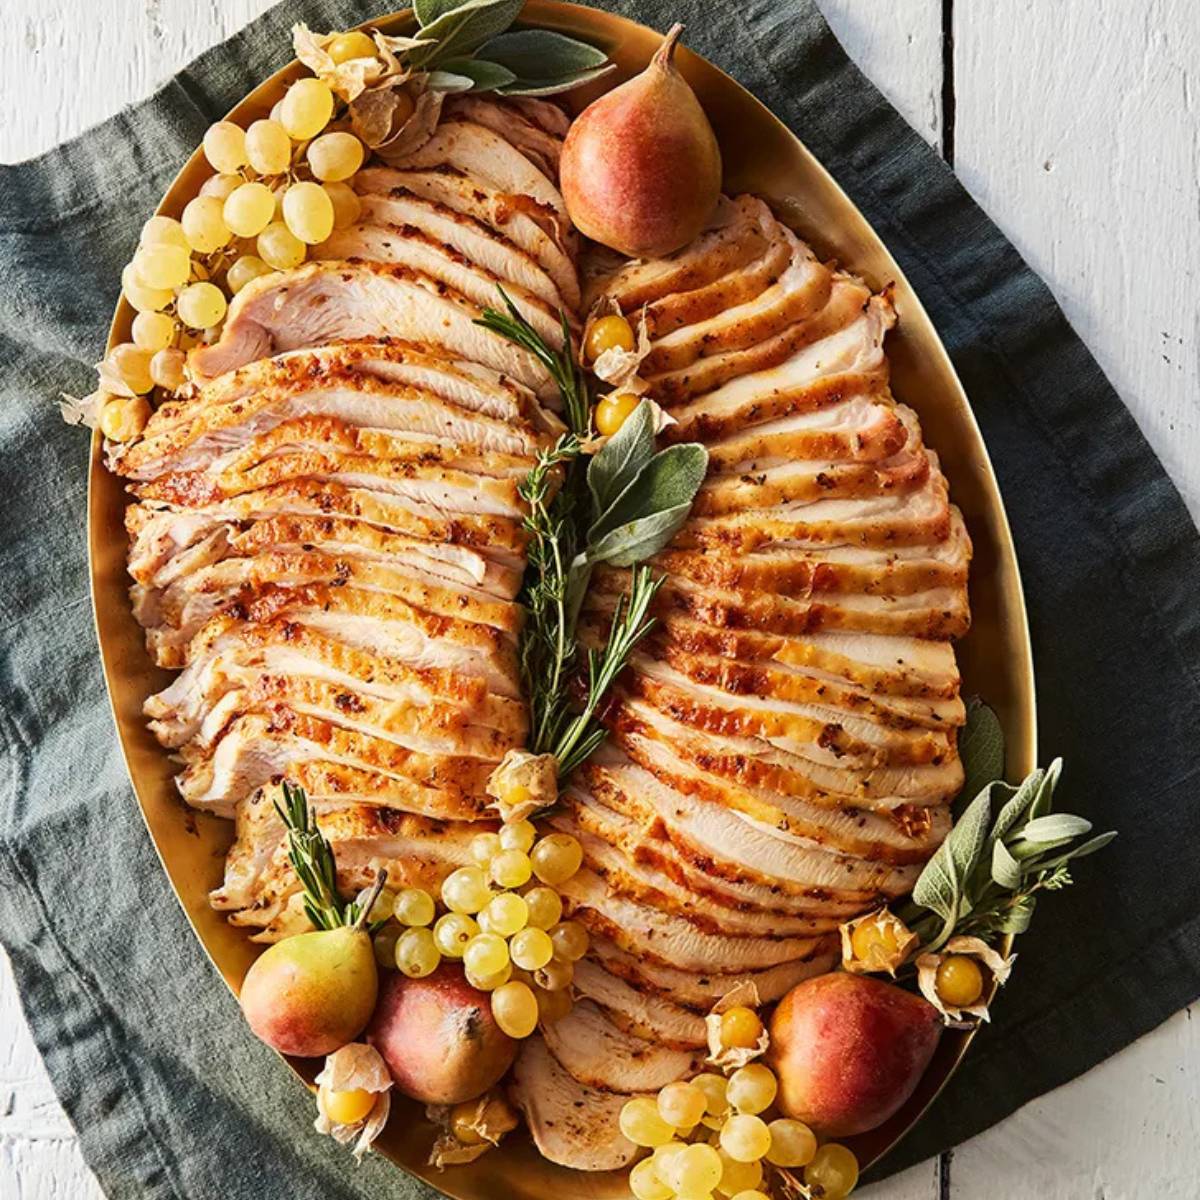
[370, 898]
[665, 53]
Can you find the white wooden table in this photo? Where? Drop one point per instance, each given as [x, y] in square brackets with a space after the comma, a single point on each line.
[1076, 123]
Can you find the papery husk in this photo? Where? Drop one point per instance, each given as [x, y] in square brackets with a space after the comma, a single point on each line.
[879, 960]
[538, 773]
[730, 1058]
[372, 114]
[616, 366]
[350, 79]
[83, 410]
[972, 947]
[357, 1067]
[492, 1119]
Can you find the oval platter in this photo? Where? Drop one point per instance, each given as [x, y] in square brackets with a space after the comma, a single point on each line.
[762, 156]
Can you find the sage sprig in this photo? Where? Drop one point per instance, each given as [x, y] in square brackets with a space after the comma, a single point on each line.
[468, 46]
[1005, 849]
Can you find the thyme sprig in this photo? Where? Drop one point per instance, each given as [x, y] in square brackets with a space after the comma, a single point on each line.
[312, 859]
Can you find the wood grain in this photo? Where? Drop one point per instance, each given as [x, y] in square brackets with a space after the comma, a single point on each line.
[1077, 125]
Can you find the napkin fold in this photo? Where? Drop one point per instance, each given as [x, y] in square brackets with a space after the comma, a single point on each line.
[170, 1094]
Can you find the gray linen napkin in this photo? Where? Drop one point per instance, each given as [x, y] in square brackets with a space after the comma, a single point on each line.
[171, 1096]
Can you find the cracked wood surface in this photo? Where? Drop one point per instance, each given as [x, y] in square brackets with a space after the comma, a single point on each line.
[1076, 124]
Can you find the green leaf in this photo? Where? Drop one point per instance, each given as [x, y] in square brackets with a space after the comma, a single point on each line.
[552, 87]
[980, 747]
[1006, 871]
[541, 54]
[639, 539]
[1022, 798]
[449, 82]
[942, 883]
[670, 479]
[1017, 918]
[1082, 851]
[1045, 797]
[579, 575]
[1054, 827]
[484, 76]
[428, 11]
[621, 460]
[462, 30]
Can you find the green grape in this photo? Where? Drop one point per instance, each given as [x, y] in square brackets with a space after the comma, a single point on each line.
[268, 147]
[793, 1144]
[738, 1176]
[417, 953]
[201, 305]
[752, 1088]
[346, 205]
[204, 223]
[681, 1105]
[249, 209]
[697, 1170]
[308, 212]
[466, 890]
[545, 907]
[452, 933]
[413, 906]
[532, 949]
[745, 1137]
[834, 1169]
[515, 1009]
[160, 230]
[641, 1124]
[167, 369]
[245, 270]
[484, 847]
[381, 910]
[162, 265]
[505, 914]
[153, 331]
[570, 941]
[645, 1183]
[279, 248]
[486, 954]
[518, 835]
[556, 858]
[132, 364]
[220, 186]
[511, 869]
[225, 147]
[141, 296]
[335, 156]
[306, 109]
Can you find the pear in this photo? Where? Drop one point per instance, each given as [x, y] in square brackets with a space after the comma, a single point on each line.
[641, 169]
[311, 994]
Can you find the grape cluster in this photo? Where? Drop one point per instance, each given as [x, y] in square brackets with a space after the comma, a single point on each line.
[711, 1135]
[502, 920]
[280, 186]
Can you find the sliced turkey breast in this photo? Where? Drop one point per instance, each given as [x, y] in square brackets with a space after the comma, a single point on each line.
[599, 1054]
[652, 1017]
[700, 992]
[504, 213]
[542, 147]
[338, 301]
[571, 1124]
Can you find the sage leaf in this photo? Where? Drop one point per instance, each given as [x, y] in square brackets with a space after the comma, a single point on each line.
[937, 890]
[448, 82]
[668, 481]
[1017, 918]
[461, 30]
[552, 87]
[1082, 851]
[639, 539]
[1054, 827]
[484, 76]
[428, 11]
[579, 575]
[1006, 871]
[941, 885]
[541, 53]
[1045, 797]
[622, 458]
[1014, 809]
[980, 747]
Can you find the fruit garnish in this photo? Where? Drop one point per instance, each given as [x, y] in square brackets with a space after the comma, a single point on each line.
[736, 1034]
[877, 942]
[314, 992]
[833, 1172]
[353, 1096]
[469, 1129]
[955, 979]
[641, 169]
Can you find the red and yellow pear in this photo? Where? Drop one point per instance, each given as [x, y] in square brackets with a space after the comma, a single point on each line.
[641, 169]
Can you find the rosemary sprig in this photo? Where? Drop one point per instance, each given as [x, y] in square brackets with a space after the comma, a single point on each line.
[631, 622]
[567, 374]
[312, 859]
